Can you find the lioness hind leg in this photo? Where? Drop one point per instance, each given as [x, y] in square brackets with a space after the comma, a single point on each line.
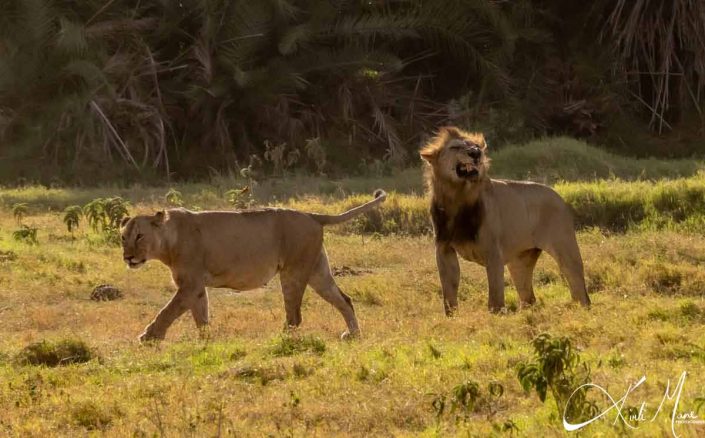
[293, 290]
[567, 255]
[323, 283]
[522, 270]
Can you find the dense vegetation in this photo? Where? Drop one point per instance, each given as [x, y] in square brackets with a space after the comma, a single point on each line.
[608, 192]
[94, 90]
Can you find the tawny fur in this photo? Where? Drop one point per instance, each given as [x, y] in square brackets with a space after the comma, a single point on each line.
[494, 222]
[241, 250]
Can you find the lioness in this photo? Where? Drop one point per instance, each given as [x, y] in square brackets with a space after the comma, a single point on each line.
[494, 222]
[241, 250]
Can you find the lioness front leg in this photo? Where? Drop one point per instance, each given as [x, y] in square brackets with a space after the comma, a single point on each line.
[183, 300]
[495, 278]
[199, 309]
[449, 271]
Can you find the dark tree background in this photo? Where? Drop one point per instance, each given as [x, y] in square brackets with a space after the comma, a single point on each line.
[102, 90]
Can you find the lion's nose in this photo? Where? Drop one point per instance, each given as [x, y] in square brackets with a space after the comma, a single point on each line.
[127, 258]
[475, 153]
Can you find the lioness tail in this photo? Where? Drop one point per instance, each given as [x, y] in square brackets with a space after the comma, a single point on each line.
[328, 219]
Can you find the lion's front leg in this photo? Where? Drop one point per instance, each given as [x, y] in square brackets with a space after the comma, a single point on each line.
[495, 278]
[183, 300]
[449, 271]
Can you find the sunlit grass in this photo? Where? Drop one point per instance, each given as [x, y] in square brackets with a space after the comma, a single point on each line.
[246, 377]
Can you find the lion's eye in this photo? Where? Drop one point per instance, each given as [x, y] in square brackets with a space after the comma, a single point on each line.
[139, 237]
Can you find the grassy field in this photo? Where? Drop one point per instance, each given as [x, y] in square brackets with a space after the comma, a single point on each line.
[644, 252]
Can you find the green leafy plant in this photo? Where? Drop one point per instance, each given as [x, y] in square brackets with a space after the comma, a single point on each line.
[174, 197]
[20, 211]
[557, 368]
[115, 209]
[104, 216]
[467, 398]
[240, 198]
[26, 234]
[72, 217]
[506, 427]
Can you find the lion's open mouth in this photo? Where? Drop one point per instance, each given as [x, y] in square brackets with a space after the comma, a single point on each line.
[466, 170]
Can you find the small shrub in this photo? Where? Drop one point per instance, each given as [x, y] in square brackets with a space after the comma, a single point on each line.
[544, 277]
[240, 198]
[105, 213]
[365, 374]
[658, 315]
[290, 345]
[54, 354]
[72, 217]
[104, 216]
[26, 234]
[174, 197]
[690, 310]
[19, 211]
[616, 360]
[506, 427]
[302, 371]
[237, 355]
[89, 415]
[557, 368]
[468, 398]
[262, 375]
[8, 256]
[664, 278]
[435, 352]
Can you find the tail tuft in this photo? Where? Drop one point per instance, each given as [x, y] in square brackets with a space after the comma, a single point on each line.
[379, 193]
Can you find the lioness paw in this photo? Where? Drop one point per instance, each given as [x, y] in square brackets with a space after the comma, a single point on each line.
[349, 336]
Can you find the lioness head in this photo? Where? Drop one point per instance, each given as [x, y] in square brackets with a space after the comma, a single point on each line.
[457, 156]
[141, 238]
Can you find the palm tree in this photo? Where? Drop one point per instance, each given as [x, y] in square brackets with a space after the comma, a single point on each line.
[171, 85]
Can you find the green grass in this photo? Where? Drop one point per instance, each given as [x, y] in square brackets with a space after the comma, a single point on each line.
[245, 377]
[613, 205]
[567, 159]
[248, 376]
[550, 160]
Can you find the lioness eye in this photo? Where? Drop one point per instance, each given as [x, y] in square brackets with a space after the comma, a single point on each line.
[139, 236]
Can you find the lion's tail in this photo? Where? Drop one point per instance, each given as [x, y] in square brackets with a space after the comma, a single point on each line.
[328, 219]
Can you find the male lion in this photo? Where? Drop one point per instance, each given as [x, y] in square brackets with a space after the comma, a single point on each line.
[494, 222]
[241, 250]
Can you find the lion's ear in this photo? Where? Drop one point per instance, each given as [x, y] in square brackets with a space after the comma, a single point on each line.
[158, 218]
[429, 155]
[124, 221]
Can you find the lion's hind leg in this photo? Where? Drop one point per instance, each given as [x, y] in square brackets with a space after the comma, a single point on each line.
[522, 269]
[322, 282]
[567, 254]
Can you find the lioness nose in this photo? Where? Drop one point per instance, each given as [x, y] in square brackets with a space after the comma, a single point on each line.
[475, 153]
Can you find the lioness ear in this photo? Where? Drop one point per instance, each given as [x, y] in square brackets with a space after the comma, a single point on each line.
[124, 221]
[158, 218]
